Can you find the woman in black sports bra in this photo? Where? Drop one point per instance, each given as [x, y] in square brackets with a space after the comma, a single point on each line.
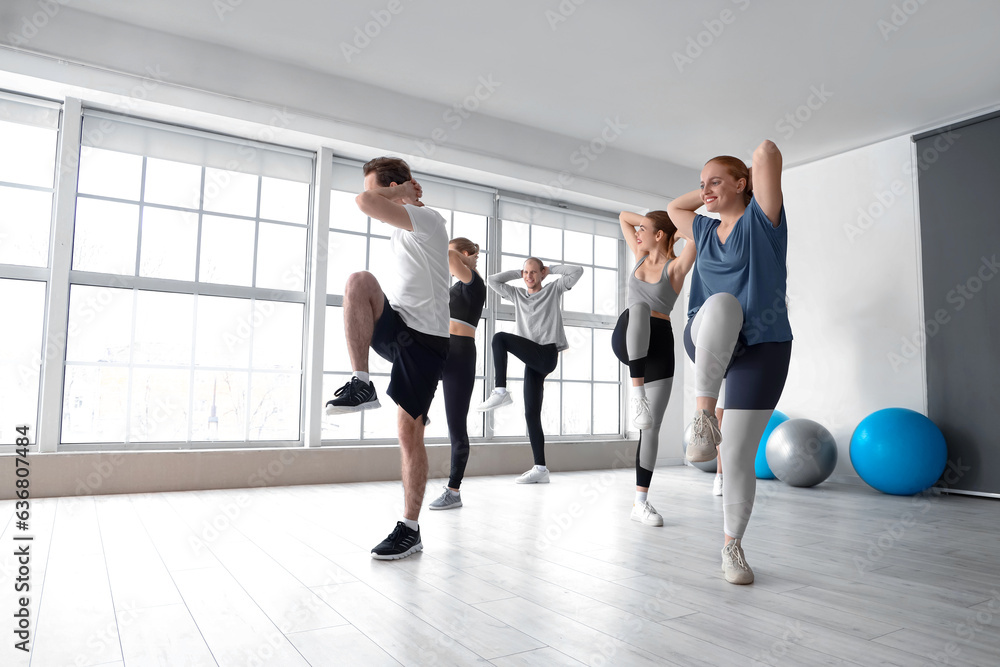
[468, 296]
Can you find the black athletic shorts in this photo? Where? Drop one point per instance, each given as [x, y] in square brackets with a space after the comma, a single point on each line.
[417, 361]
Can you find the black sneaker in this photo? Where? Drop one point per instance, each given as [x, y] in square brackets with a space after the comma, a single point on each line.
[352, 397]
[402, 542]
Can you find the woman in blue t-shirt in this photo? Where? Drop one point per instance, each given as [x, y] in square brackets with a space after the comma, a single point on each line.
[737, 323]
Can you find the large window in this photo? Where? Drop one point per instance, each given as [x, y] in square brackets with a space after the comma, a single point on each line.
[357, 243]
[187, 292]
[582, 396]
[28, 143]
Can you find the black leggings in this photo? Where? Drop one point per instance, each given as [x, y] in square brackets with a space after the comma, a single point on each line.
[539, 361]
[458, 381]
[659, 374]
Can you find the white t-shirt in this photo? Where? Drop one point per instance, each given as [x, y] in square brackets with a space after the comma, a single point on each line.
[418, 289]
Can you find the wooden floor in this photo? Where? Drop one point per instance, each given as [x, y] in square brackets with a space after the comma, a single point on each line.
[522, 575]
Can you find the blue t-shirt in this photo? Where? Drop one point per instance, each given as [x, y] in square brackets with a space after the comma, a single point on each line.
[750, 265]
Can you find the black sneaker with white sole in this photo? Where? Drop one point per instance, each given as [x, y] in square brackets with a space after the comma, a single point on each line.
[354, 396]
[402, 542]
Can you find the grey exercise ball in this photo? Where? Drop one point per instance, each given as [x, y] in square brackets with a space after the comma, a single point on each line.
[707, 466]
[801, 452]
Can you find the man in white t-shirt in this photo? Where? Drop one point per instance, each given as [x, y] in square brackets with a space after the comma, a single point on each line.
[406, 324]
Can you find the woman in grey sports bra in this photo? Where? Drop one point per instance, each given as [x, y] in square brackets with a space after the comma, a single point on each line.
[644, 340]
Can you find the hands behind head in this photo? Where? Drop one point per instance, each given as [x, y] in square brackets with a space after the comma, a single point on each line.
[410, 192]
[545, 272]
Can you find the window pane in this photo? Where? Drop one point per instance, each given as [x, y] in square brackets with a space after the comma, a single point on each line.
[546, 243]
[481, 349]
[20, 354]
[25, 216]
[95, 402]
[345, 214]
[281, 257]
[576, 408]
[346, 255]
[110, 173]
[515, 237]
[606, 404]
[159, 410]
[438, 428]
[226, 251]
[172, 183]
[345, 426]
[100, 325]
[576, 359]
[222, 337]
[335, 351]
[380, 261]
[277, 335]
[472, 227]
[283, 200]
[512, 263]
[105, 237]
[169, 243]
[606, 251]
[164, 329]
[580, 299]
[509, 421]
[606, 364]
[226, 392]
[274, 406]
[230, 192]
[380, 423]
[550, 406]
[29, 154]
[579, 248]
[605, 292]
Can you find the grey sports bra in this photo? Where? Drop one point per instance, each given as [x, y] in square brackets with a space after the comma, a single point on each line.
[659, 295]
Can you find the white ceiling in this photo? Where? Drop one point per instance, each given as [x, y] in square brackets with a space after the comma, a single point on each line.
[617, 60]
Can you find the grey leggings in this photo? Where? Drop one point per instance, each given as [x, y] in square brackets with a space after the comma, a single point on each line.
[755, 376]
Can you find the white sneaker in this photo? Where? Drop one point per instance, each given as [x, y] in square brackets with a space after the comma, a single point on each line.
[705, 438]
[641, 418]
[534, 476]
[717, 485]
[645, 513]
[734, 564]
[495, 400]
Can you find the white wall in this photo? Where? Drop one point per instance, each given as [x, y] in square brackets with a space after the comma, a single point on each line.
[853, 288]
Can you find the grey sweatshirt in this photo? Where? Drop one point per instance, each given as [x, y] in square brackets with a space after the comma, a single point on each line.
[538, 316]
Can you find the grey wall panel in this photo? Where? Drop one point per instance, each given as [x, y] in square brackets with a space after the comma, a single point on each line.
[959, 182]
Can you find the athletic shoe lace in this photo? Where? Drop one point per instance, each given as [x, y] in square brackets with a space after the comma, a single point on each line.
[736, 555]
[699, 426]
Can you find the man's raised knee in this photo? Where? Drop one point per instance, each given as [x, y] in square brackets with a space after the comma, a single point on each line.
[361, 282]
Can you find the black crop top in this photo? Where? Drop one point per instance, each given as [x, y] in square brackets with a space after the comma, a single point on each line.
[467, 301]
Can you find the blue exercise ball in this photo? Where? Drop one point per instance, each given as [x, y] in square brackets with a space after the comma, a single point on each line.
[898, 451]
[761, 469]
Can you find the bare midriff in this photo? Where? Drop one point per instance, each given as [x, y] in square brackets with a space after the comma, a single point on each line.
[654, 314]
[459, 329]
